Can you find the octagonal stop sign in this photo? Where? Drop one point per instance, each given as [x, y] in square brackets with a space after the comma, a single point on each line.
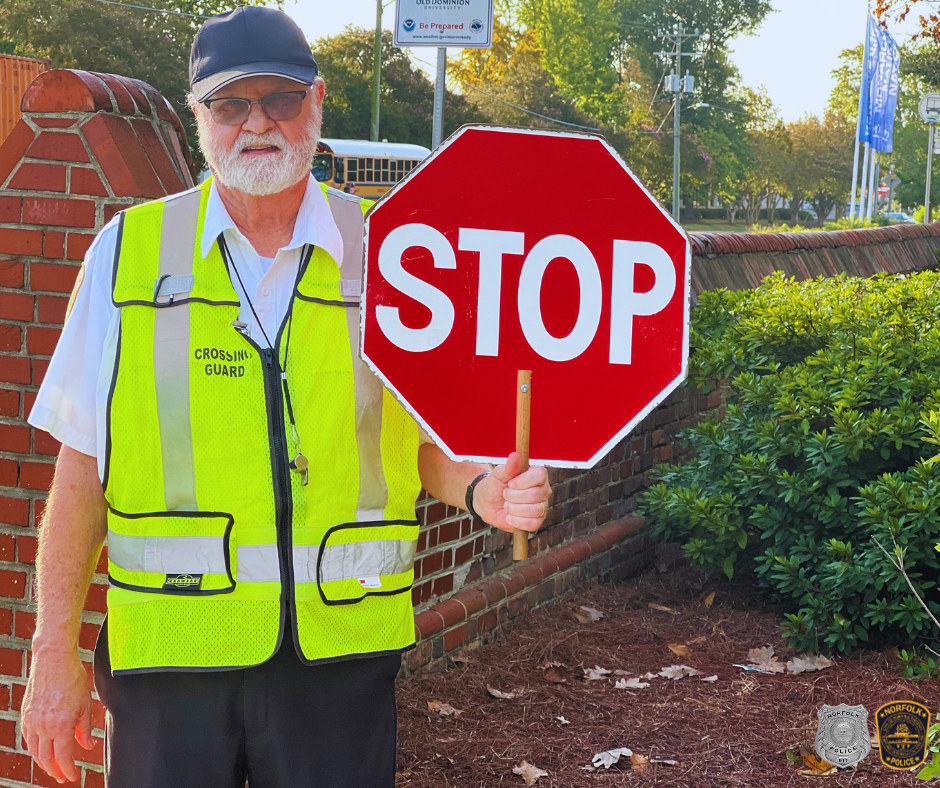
[513, 249]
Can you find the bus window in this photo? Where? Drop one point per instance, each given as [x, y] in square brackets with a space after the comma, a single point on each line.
[352, 169]
[338, 178]
[385, 170]
[369, 163]
[322, 168]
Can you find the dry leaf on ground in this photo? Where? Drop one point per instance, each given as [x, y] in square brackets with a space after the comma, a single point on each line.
[808, 663]
[563, 721]
[500, 694]
[666, 761]
[609, 757]
[647, 676]
[529, 771]
[817, 767]
[680, 649]
[676, 672]
[444, 709]
[640, 762]
[709, 599]
[764, 660]
[553, 664]
[710, 678]
[555, 676]
[663, 608]
[593, 614]
[622, 673]
[596, 673]
[630, 684]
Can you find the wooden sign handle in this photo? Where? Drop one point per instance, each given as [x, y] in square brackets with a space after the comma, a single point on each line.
[520, 539]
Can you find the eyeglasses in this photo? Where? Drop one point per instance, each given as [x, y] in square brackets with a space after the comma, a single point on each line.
[231, 111]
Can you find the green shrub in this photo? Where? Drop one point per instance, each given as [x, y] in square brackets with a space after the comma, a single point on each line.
[821, 449]
[918, 215]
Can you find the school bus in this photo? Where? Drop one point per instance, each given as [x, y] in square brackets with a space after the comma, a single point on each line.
[368, 168]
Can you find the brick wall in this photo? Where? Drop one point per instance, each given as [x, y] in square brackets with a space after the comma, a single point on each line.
[92, 143]
[88, 145]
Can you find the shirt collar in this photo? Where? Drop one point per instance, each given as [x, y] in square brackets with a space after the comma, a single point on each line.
[314, 225]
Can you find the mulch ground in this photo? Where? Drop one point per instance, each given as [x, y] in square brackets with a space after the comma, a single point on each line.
[733, 732]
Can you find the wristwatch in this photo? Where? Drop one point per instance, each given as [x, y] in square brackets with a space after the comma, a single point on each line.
[469, 499]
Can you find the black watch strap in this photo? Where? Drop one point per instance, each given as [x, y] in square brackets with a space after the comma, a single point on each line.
[469, 499]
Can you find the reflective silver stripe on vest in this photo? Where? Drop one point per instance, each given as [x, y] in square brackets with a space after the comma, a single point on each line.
[259, 564]
[169, 555]
[171, 354]
[373, 489]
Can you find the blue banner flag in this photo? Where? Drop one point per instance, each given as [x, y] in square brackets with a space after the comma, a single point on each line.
[885, 89]
[869, 69]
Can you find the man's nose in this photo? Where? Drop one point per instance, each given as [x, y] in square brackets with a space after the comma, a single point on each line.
[258, 122]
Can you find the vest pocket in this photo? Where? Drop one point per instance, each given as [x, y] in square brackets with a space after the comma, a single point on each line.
[357, 560]
[177, 553]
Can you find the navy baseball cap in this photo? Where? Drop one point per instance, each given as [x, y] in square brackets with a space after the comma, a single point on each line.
[249, 41]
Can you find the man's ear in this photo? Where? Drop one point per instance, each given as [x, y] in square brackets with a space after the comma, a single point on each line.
[320, 87]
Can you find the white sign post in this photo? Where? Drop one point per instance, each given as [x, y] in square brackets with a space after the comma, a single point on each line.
[443, 23]
[929, 111]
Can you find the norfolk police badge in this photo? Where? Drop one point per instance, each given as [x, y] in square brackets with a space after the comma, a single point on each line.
[902, 733]
[842, 738]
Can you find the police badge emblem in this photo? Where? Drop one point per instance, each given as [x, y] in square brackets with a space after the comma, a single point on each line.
[842, 738]
[902, 733]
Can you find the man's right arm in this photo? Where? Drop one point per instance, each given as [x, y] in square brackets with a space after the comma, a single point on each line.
[57, 706]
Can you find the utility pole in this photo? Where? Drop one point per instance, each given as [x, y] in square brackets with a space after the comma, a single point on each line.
[932, 122]
[437, 122]
[377, 71]
[677, 85]
[891, 180]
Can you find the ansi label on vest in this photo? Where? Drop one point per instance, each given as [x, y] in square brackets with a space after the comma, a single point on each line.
[370, 582]
[183, 582]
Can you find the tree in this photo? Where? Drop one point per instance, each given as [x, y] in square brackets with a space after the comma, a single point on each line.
[345, 60]
[147, 45]
[900, 9]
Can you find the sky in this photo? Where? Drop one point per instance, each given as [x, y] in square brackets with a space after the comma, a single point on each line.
[793, 53]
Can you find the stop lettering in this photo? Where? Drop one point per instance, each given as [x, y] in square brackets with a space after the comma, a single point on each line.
[513, 249]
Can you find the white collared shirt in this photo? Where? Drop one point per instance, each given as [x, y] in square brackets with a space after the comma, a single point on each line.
[72, 401]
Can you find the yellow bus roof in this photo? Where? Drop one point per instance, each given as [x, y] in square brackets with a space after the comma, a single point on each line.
[365, 148]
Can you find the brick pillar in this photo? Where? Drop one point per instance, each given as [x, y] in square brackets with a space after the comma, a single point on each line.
[88, 145]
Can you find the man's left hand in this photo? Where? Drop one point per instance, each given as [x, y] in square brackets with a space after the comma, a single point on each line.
[509, 498]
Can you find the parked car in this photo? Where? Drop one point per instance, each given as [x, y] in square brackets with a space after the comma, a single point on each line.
[899, 217]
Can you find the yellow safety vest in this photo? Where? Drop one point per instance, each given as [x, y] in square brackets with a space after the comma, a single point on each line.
[215, 547]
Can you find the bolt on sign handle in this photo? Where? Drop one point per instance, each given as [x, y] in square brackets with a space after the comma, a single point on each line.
[520, 539]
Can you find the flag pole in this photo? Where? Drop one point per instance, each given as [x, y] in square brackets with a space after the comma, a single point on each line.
[858, 125]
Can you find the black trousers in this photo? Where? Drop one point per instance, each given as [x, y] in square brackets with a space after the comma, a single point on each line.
[282, 724]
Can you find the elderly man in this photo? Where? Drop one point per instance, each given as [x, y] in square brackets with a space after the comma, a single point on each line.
[255, 482]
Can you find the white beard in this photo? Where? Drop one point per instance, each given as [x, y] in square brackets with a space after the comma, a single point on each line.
[260, 176]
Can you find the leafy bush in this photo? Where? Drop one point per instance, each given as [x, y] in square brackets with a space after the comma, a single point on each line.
[823, 446]
[921, 210]
[839, 224]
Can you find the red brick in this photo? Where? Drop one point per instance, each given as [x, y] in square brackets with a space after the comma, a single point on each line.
[11, 273]
[9, 402]
[16, 702]
[26, 547]
[14, 369]
[39, 177]
[14, 511]
[61, 90]
[97, 598]
[88, 636]
[53, 244]
[10, 208]
[122, 159]
[111, 209]
[40, 365]
[455, 638]
[451, 611]
[11, 337]
[15, 766]
[49, 276]
[102, 567]
[449, 532]
[51, 309]
[58, 211]
[20, 242]
[432, 563]
[85, 180]
[124, 101]
[58, 146]
[55, 123]
[429, 622]
[6, 628]
[97, 715]
[133, 87]
[78, 244]
[158, 156]
[14, 438]
[96, 754]
[41, 341]
[11, 662]
[25, 625]
[5, 694]
[489, 621]
[16, 306]
[472, 599]
[8, 473]
[38, 508]
[7, 547]
[94, 779]
[14, 147]
[12, 584]
[442, 585]
[36, 475]
[44, 443]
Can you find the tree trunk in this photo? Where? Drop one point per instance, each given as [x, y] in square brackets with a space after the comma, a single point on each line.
[796, 203]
